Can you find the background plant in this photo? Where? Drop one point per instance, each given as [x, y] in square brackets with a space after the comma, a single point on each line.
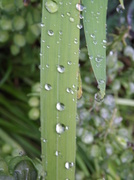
[18, 73]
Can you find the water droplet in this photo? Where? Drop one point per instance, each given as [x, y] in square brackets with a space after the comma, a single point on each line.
[62, 15]
[60, 68]
[104, 41]
[79, 26]
[68, 14]
[69, 165]
[42, 24]
[60, 106]
[98, 97]
[40, 54]
[71, 19]
[57, 153]
[44, 140]
[101, 81]
[43, 41]
[81, 17]
[48, 87]
[69, 90]
[50, 33]
[75, 41]
[119, 9]
[47, 66]
[60, 128]
[98, 58]
[94, 42]
[74, 86]
[80, 7]
[91, 57]
[51, 6]
[60, 32]
[69, 63]
[48, 47]
[92, 36]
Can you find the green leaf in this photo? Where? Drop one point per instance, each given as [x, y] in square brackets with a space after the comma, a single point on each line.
[95, 32]
[122, 3]
[59, 70]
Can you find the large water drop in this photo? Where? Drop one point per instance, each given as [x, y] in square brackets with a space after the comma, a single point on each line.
[69, 165]
[50, 33]
[80, 7]
[51, 6]
[60, 106]
[48, 87]
[60, 68]
[60, 128]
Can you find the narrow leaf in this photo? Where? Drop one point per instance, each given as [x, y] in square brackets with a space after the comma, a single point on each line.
[95, 32]
[122, 3]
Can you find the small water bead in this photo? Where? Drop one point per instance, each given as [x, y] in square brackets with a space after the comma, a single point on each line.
[119, 9]
[60, 32]
[94, 42]
[60, 106]
[47, 66]
[69, 63]
[75, 41]
[104, 41]
[48, 87]
[42, 24]
[50, 33]
[80, 7]
[71, 19]
[97, 65]
[68, 14]
[48, 47]
[79, 26]
[60, 128]
[69, 90]
[57, 153]
[81, 16]
[98, 58]
[43, 41]
[101, 81]
[51, 6]
[69, 165]
[91, 57]
[40, 54]
[73, 86]
[98, 97]
[60, 68]
[92, 36]
[62, 15]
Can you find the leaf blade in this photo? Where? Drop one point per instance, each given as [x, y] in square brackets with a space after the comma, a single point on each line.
[95, 33]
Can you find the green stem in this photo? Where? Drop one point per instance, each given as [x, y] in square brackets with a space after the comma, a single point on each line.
[59, 69]
[124, 102]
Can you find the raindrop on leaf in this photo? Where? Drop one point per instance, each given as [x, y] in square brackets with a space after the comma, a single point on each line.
[69, 165]
[80, 7]
[60, 128]
[60, 106]
[98, 97]
[50, 33]
[60, 68]
[51, 6]
[48, 87]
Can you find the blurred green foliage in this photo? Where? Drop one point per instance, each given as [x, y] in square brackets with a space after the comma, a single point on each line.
[104, 131]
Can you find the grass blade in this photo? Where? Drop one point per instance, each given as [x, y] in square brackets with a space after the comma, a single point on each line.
[59, 69]
[95, 32]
